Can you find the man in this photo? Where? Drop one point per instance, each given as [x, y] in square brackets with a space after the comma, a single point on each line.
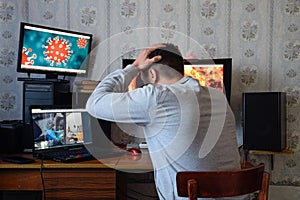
[186, 126]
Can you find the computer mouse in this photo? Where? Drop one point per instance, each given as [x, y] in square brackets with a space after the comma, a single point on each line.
[134, 151]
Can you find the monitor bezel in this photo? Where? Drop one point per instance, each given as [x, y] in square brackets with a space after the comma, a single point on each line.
[50, 73]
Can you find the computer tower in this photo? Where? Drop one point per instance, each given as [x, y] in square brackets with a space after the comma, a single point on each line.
[36, 93]
[264, 121]
[42, 93]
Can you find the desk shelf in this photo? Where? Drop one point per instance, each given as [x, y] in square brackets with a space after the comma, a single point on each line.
[284, 151]
[271, 153]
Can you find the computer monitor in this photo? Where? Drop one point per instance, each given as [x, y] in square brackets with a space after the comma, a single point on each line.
[214, 73]
[57, 127]
[52, 51]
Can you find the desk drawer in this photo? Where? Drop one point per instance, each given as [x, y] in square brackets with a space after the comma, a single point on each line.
[80, 184]
[20, 179]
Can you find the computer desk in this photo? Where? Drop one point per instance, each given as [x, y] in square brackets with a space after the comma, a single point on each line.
[82, 180]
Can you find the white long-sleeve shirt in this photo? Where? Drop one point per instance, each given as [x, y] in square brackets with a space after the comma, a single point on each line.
[186, 126]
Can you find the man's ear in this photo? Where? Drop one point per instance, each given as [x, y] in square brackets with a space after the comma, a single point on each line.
[153, 75]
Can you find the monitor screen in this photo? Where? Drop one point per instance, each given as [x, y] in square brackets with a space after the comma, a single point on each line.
[52, 51]
[214, 73]
[54, 128]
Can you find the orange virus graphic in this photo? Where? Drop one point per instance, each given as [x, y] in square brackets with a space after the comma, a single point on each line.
[26, 59]
[58, 51]
[81, 43]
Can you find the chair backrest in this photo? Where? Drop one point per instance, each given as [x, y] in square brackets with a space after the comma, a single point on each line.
[217, 184]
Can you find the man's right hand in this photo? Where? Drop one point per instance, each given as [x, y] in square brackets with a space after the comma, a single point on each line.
[143, 60]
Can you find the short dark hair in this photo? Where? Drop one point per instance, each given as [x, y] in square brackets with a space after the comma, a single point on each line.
[170, 56]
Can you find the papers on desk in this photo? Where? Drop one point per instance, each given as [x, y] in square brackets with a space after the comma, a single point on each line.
[143, 145]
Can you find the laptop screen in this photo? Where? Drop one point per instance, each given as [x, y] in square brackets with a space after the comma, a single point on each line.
[60, 127]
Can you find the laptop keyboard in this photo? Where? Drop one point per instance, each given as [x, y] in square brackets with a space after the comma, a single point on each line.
[80, 154]
[68, 155]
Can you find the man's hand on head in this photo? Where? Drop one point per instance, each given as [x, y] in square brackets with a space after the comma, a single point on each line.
[143, 60]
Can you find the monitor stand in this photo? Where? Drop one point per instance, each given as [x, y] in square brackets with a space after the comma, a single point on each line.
[52, 76]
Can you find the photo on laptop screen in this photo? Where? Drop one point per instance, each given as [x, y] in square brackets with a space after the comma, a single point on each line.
[54, 128]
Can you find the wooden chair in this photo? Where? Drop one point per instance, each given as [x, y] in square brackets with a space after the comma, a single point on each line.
[217, 184]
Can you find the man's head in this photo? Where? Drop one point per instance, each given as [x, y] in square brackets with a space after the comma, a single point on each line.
[170, 56]
[168, 69]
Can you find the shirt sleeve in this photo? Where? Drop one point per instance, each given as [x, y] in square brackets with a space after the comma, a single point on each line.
[112, 102]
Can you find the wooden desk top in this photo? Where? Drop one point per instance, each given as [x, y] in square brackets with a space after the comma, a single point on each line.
[125, 162]
[140, 162]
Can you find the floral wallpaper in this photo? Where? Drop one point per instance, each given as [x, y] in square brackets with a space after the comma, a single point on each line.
[262, 37]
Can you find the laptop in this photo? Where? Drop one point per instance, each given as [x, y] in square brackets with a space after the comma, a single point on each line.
[64, 134]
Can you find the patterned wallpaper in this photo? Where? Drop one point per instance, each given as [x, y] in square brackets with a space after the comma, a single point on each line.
[262, 37]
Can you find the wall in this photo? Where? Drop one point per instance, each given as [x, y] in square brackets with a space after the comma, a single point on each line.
[262, 37]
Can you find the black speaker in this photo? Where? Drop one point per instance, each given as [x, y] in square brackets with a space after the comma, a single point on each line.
[264, 121]
[11, 137]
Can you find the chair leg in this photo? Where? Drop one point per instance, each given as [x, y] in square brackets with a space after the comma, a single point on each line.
[192, 189]
[263, 193]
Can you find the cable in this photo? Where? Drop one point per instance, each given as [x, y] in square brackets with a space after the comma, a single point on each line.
[43, 182]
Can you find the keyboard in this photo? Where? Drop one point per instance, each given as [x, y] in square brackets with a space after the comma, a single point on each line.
[81, 154]
[71, 155]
